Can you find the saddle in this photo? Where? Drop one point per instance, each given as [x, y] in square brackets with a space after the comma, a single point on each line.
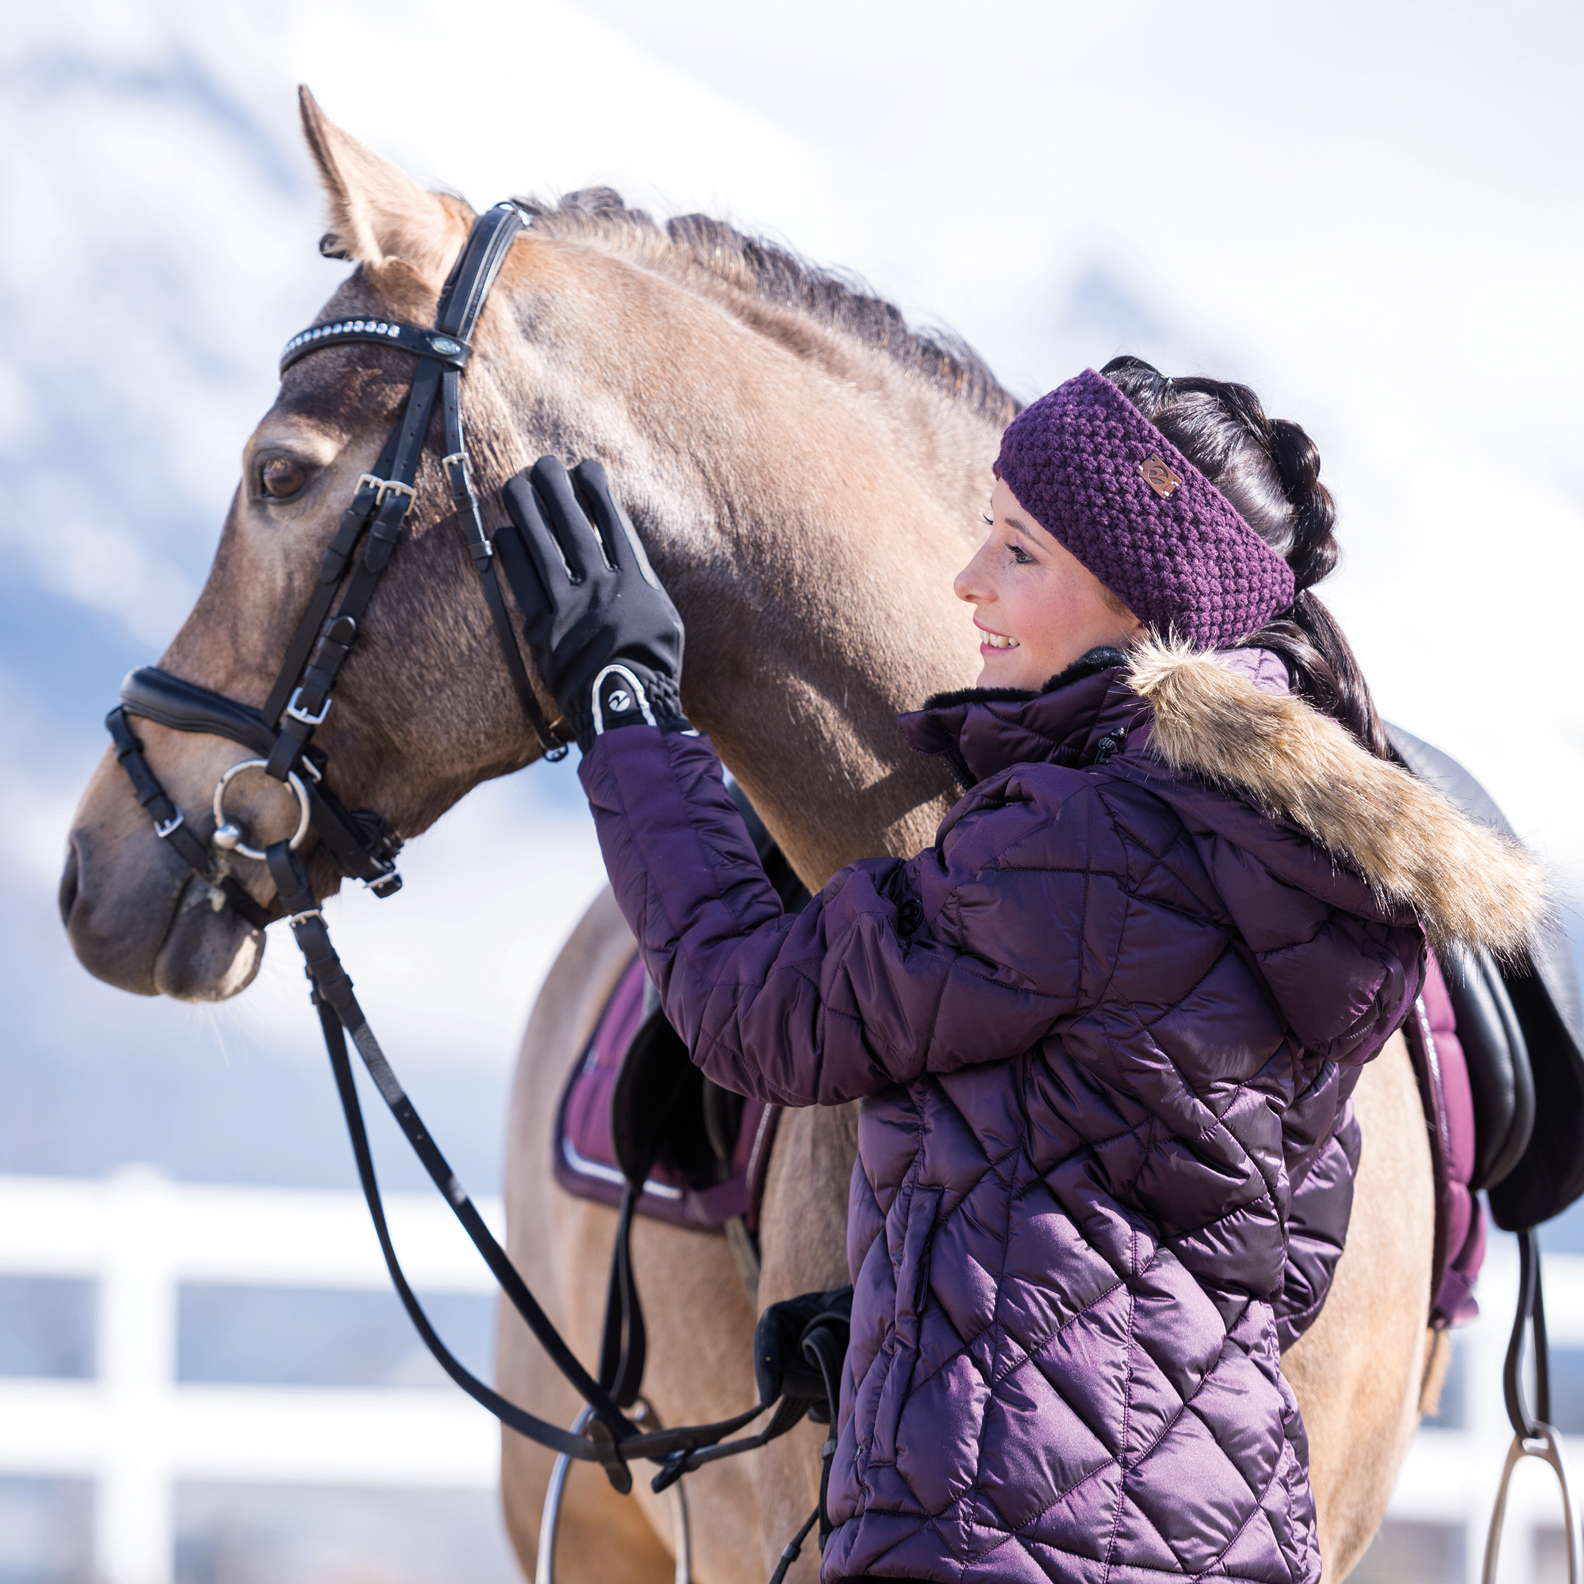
[637, 1111]
[1521, 1029]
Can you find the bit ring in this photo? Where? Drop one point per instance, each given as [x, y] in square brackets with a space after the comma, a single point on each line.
[229, 837]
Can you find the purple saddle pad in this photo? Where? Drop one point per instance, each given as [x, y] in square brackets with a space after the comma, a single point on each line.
[1449, 1109]
[585, 1157]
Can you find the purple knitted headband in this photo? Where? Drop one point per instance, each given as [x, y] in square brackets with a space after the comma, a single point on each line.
[1102, 479]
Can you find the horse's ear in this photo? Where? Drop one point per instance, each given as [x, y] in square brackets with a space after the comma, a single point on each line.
[376, 210]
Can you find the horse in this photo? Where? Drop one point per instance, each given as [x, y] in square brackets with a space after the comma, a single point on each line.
[804, 468]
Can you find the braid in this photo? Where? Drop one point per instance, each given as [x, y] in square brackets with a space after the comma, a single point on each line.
[1269, 469]
[1313, 552]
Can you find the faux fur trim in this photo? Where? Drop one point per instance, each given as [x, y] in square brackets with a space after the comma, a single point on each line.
[1472, 886]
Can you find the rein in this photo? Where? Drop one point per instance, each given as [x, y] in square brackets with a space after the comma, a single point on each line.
[279, 740]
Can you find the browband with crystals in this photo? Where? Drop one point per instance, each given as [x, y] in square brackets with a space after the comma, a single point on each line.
[383, 332]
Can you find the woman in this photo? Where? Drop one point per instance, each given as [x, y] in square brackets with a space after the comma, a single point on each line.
[1103, 1029]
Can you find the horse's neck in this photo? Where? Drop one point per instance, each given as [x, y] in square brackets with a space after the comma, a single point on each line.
[806, 657]
[810, 539]
[835, 782]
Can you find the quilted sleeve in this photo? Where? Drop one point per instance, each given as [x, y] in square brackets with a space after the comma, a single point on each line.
[967, 952]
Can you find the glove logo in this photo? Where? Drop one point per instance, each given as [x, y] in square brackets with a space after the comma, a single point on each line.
[621, 699]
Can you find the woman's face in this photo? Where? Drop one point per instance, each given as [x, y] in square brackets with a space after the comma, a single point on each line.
[1026, 586]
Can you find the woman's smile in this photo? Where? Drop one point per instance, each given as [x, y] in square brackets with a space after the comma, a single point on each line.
[998, 643]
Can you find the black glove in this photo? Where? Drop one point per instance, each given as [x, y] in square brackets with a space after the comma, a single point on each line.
[605, 635]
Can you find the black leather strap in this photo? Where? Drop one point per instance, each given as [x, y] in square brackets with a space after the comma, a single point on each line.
[171, 825]
[332, 568]
[342, 1017]
[380, 332]
[360, 842]
[185, 707]
[624, 1343]
[1500, 1065]
[472, 276]
[309, 700]
[1529, 1316]
[614, 1438]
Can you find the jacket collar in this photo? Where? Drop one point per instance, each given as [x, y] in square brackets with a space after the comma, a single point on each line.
[1066, 720]
[1261, 763]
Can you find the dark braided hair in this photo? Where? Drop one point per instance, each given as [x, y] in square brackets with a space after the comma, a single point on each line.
[1270, 470]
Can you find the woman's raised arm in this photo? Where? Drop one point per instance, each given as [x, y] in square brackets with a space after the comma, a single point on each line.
[896, 967]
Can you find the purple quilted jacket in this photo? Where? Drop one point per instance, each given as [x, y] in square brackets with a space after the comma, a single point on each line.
[1099, 1030]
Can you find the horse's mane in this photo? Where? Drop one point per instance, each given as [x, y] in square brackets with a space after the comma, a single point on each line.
[772, 273]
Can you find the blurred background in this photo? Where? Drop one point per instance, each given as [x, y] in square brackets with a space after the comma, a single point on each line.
[1369, 212]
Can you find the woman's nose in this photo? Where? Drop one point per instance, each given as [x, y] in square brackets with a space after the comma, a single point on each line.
[966, 584]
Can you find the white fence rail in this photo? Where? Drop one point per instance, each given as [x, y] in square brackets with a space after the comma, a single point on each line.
[136, 1430]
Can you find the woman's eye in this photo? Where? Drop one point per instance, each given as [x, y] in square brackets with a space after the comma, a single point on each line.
[1020, 556]
[989, 522]
[281, 477]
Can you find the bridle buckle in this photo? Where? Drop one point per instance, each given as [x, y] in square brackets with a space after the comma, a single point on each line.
[164, 828]
[298, 713]
[384, 487]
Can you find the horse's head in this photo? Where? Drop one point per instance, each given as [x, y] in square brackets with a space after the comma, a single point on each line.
[425, 708]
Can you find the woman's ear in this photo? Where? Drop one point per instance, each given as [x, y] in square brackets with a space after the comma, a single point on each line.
[377, 212]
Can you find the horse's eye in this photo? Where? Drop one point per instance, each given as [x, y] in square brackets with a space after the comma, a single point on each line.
[280, 477]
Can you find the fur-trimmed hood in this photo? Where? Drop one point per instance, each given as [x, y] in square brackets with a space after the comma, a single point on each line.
[1227, 719]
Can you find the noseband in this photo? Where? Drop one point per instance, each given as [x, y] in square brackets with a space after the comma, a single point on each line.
[278, 740]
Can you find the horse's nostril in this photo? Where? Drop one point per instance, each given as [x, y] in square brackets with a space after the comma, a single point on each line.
[67, 895]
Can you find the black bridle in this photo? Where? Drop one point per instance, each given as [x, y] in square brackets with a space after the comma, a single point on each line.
[279, 740]
[280, 736]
